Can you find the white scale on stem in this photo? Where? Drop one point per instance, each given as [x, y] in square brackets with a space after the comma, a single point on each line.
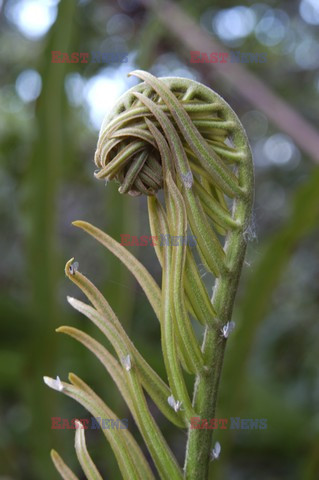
[175, 404]
[227, 329]
[126, 361]
[216, 451]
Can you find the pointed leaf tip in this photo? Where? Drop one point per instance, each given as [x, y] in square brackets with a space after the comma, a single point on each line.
[55, 384]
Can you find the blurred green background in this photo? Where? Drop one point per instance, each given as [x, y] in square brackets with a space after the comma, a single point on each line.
[49, 123]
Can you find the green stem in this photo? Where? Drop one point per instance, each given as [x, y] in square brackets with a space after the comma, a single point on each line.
[206, 387]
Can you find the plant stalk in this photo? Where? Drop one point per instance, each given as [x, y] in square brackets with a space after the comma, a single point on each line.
[199, 443]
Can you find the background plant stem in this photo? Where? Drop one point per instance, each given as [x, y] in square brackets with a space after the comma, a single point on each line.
[44, 174]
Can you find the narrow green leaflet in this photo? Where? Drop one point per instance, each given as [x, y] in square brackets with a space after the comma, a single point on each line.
[83, 455]
[143, 277]
[108, 323]
[65, 472]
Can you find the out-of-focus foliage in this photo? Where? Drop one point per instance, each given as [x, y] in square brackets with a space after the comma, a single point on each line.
[49, 118]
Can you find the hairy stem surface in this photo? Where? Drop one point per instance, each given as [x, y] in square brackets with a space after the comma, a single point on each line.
[206, 387]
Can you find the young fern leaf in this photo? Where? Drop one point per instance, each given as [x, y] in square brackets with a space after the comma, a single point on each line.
[178, 224]
[176, 135]
[106, 358]
[83, 455]
[106, 320]
[129, 456]
[143, 277]
[149, 429]
[65, 472]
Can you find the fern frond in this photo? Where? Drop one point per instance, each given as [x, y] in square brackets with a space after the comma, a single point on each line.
[175, 135]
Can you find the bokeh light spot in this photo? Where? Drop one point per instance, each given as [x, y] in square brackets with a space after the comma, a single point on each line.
[307, 54]
[272, 27]
[235, 23]
[32, 17]
[74, 85]
[279, 149]
[28, 85]
[309, 11]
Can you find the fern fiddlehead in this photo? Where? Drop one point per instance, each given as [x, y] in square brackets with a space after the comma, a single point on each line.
[175, 135]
